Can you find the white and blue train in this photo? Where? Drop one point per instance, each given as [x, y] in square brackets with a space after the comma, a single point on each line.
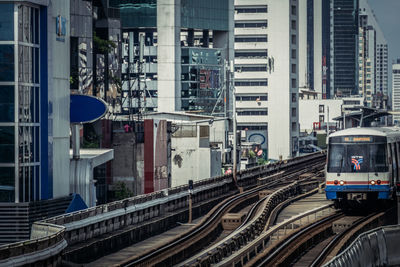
[362, 165]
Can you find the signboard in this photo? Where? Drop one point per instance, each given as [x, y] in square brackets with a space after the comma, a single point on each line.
[358, 139]
[209, 79]
[86, 109]
[61, 29]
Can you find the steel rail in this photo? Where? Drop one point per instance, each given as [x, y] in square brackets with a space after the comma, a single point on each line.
[334, 242]
[216, 214]
[280, 248]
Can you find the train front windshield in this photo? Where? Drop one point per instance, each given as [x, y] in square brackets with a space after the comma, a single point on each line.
[357, 157]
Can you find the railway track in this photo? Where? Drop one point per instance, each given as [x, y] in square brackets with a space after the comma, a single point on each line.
[197, 237]
[311, 238]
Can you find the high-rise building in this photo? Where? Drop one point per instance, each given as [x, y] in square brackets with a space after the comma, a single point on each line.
[396, 90]
[314, 46]
[343, 51]
[372, 58]
[181, 64]
[266, 74]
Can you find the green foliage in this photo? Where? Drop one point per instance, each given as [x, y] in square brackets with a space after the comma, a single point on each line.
[103, 46]
[121, 191]
[252, 154]
[262, 161]
[88, 144]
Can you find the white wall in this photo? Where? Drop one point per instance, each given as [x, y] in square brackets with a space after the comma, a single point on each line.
[59, 95]
[302, 43]
[188, 161]
[280, 89]
[309, 111]
[318, 45]
[396, 92]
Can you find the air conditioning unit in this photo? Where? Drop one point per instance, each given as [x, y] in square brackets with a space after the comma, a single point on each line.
[243, 135]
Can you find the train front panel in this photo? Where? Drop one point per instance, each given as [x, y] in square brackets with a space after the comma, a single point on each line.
[357, 168]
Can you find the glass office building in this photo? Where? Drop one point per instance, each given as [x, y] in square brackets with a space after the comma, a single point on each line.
[20, 127]
[344, 47]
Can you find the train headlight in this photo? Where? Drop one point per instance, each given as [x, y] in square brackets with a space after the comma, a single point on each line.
[372, 182]
[341, 182]
[335, 182]
[378, 182]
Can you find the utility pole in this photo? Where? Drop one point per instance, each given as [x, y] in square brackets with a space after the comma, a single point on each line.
[130, 61]
[327, 128]
[140, 70]
[232, 73]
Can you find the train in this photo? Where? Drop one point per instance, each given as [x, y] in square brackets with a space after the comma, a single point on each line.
[362, 166]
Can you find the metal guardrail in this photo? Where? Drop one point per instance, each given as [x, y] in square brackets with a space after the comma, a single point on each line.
[378, 247]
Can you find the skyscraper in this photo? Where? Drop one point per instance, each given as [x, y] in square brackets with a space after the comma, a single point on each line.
[372, 57]
[343, 51]
[396, 90]
[266, 74]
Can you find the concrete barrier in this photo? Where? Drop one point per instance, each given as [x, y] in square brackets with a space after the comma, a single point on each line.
[45, 246]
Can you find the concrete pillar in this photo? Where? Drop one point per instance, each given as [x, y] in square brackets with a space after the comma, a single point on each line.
[169, 55]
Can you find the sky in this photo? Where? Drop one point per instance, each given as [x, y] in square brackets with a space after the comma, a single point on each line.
[387, 13]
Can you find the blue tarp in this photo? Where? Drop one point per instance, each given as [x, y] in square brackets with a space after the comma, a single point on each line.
[76, 204]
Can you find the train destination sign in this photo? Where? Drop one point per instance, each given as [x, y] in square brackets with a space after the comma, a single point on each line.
[357, 139]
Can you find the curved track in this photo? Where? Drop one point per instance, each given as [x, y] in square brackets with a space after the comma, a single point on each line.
[188, 243]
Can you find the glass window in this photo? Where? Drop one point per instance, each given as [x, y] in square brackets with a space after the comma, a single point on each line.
[335, 158]
[294, 85]
[294, 12]
[6, 195]
[6, 144]
[6, 63]
[7, 178]
[293, 25]
[6, 103]
[357, 158]
[294, 98]
[378, 157]
[293, 39]
[6, 22]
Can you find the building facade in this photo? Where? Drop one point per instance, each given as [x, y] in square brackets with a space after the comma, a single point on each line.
[396, 90]
[266, 74]
[372, 58]
[35, 100]
[34, 113]
[180, 65]
[345, 50]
